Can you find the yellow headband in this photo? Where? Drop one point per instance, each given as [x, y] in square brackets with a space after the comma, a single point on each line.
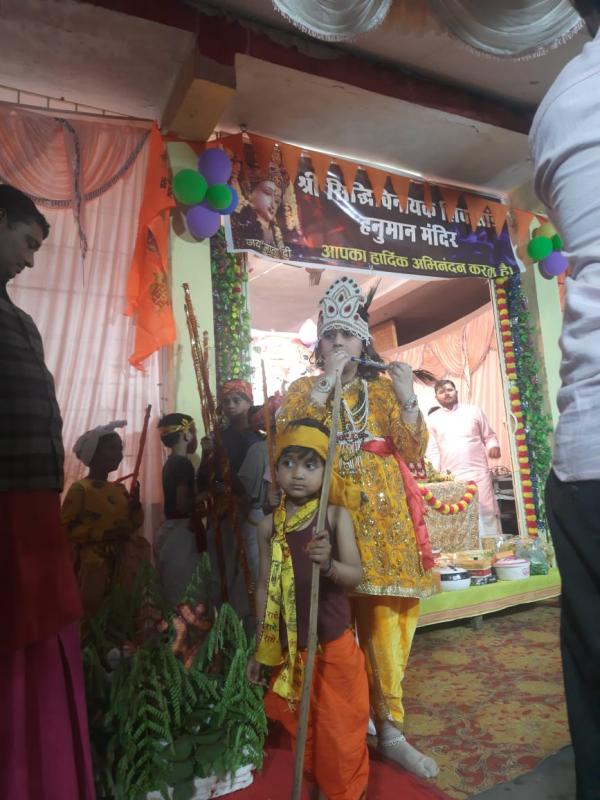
[341, 492]
[182, 427]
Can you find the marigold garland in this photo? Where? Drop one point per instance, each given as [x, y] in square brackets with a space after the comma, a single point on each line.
[522, 371]
[449, 508]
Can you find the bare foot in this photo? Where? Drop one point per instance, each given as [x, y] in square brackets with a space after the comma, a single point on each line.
[400, 751]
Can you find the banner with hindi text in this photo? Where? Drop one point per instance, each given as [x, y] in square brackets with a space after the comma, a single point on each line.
[400, 226]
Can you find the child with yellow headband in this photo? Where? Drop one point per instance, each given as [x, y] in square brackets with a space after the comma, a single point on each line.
[336, 756]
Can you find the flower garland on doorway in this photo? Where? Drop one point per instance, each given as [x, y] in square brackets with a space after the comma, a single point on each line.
[526, 401]
[230, 312]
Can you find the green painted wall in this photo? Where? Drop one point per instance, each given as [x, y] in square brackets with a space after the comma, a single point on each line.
[190, 263]
[550, 321]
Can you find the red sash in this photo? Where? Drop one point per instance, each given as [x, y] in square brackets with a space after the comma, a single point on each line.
[414, 499]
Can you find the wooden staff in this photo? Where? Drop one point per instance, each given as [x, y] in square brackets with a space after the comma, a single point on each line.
[268, 428]
[314, 600]
[211, 422]
[138, 459]
[198, 357]
[140, 453]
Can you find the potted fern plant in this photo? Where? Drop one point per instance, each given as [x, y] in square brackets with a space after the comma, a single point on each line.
[170, 710]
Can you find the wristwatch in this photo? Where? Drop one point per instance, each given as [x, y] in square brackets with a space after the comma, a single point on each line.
[411, 404]
[324, 384]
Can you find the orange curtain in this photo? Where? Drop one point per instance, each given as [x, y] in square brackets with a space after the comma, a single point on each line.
[148, 290]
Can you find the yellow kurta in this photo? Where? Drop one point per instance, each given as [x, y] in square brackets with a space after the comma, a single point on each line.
[383, 526]
[100, 524]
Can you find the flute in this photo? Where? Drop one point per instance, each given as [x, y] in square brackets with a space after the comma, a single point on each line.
[368, 362]
[422, 375]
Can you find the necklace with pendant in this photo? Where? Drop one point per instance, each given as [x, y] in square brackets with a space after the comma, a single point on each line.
[353, 431]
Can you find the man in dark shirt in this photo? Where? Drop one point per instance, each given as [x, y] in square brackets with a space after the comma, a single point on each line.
[176, 549]
[44, 746]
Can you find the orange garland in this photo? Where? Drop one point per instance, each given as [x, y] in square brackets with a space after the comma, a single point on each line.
[515, 407]
[449, 508]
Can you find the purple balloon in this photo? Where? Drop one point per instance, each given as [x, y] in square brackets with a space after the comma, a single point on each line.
[215, 165]
[543, 272]
[202, 222]
[234, 202]
[554, 264]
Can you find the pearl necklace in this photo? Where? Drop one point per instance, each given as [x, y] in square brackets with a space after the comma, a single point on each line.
[354, 432]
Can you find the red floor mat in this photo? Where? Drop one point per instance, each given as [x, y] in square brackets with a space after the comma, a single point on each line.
[386, 781]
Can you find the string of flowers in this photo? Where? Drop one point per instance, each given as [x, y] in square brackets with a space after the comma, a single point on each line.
[533, 424]
[230, 312]
[449, 508]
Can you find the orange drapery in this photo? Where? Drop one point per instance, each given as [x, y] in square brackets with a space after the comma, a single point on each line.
[148, 290]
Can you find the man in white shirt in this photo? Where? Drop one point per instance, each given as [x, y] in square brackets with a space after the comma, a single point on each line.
[565, 145]
[460, 441]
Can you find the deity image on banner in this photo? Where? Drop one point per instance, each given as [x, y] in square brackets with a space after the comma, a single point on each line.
[267, 212]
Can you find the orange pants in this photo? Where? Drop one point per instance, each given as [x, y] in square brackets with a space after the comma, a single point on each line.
[336, 756]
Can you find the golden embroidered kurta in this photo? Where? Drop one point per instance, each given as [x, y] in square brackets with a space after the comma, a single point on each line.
[383, 526]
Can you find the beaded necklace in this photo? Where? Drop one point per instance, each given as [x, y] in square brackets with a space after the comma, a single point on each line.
[353, 430]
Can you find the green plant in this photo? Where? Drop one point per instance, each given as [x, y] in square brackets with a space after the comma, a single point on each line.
[168, 698]
[230, 312]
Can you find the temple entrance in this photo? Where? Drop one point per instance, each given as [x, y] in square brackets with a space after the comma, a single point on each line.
[444, 325]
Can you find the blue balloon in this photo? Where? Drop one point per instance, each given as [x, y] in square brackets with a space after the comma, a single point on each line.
[234, 202]
[215, 165]
[202, 222]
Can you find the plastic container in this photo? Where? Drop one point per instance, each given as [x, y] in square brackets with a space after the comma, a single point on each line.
[452, 579]
[512, 569]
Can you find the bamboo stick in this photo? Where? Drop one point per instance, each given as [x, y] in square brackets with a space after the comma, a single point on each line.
[314, 601]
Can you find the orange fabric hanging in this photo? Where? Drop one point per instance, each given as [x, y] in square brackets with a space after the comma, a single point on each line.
[148, 291]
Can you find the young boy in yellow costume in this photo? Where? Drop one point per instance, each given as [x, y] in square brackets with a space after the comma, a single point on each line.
[336, 758]
[381, 428]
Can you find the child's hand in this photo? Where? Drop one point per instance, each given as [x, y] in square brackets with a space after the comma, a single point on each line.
[207, 444]
[254, 672]
[274, 498]
[319, 550]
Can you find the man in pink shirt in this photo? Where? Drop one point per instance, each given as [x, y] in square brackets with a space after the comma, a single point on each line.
[460, 441]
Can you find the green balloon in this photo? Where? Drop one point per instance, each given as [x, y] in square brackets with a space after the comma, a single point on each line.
[219, 196]
[189, 187]
[557, 243]
[539, 248]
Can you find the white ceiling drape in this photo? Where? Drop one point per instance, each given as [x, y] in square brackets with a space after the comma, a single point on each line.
[334, 20]
[509, 28]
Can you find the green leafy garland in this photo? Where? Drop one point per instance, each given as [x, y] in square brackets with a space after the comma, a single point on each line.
[230, 310]
[538, 424]
[156, 723]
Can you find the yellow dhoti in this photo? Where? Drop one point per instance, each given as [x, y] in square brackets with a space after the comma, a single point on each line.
[386, 627]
